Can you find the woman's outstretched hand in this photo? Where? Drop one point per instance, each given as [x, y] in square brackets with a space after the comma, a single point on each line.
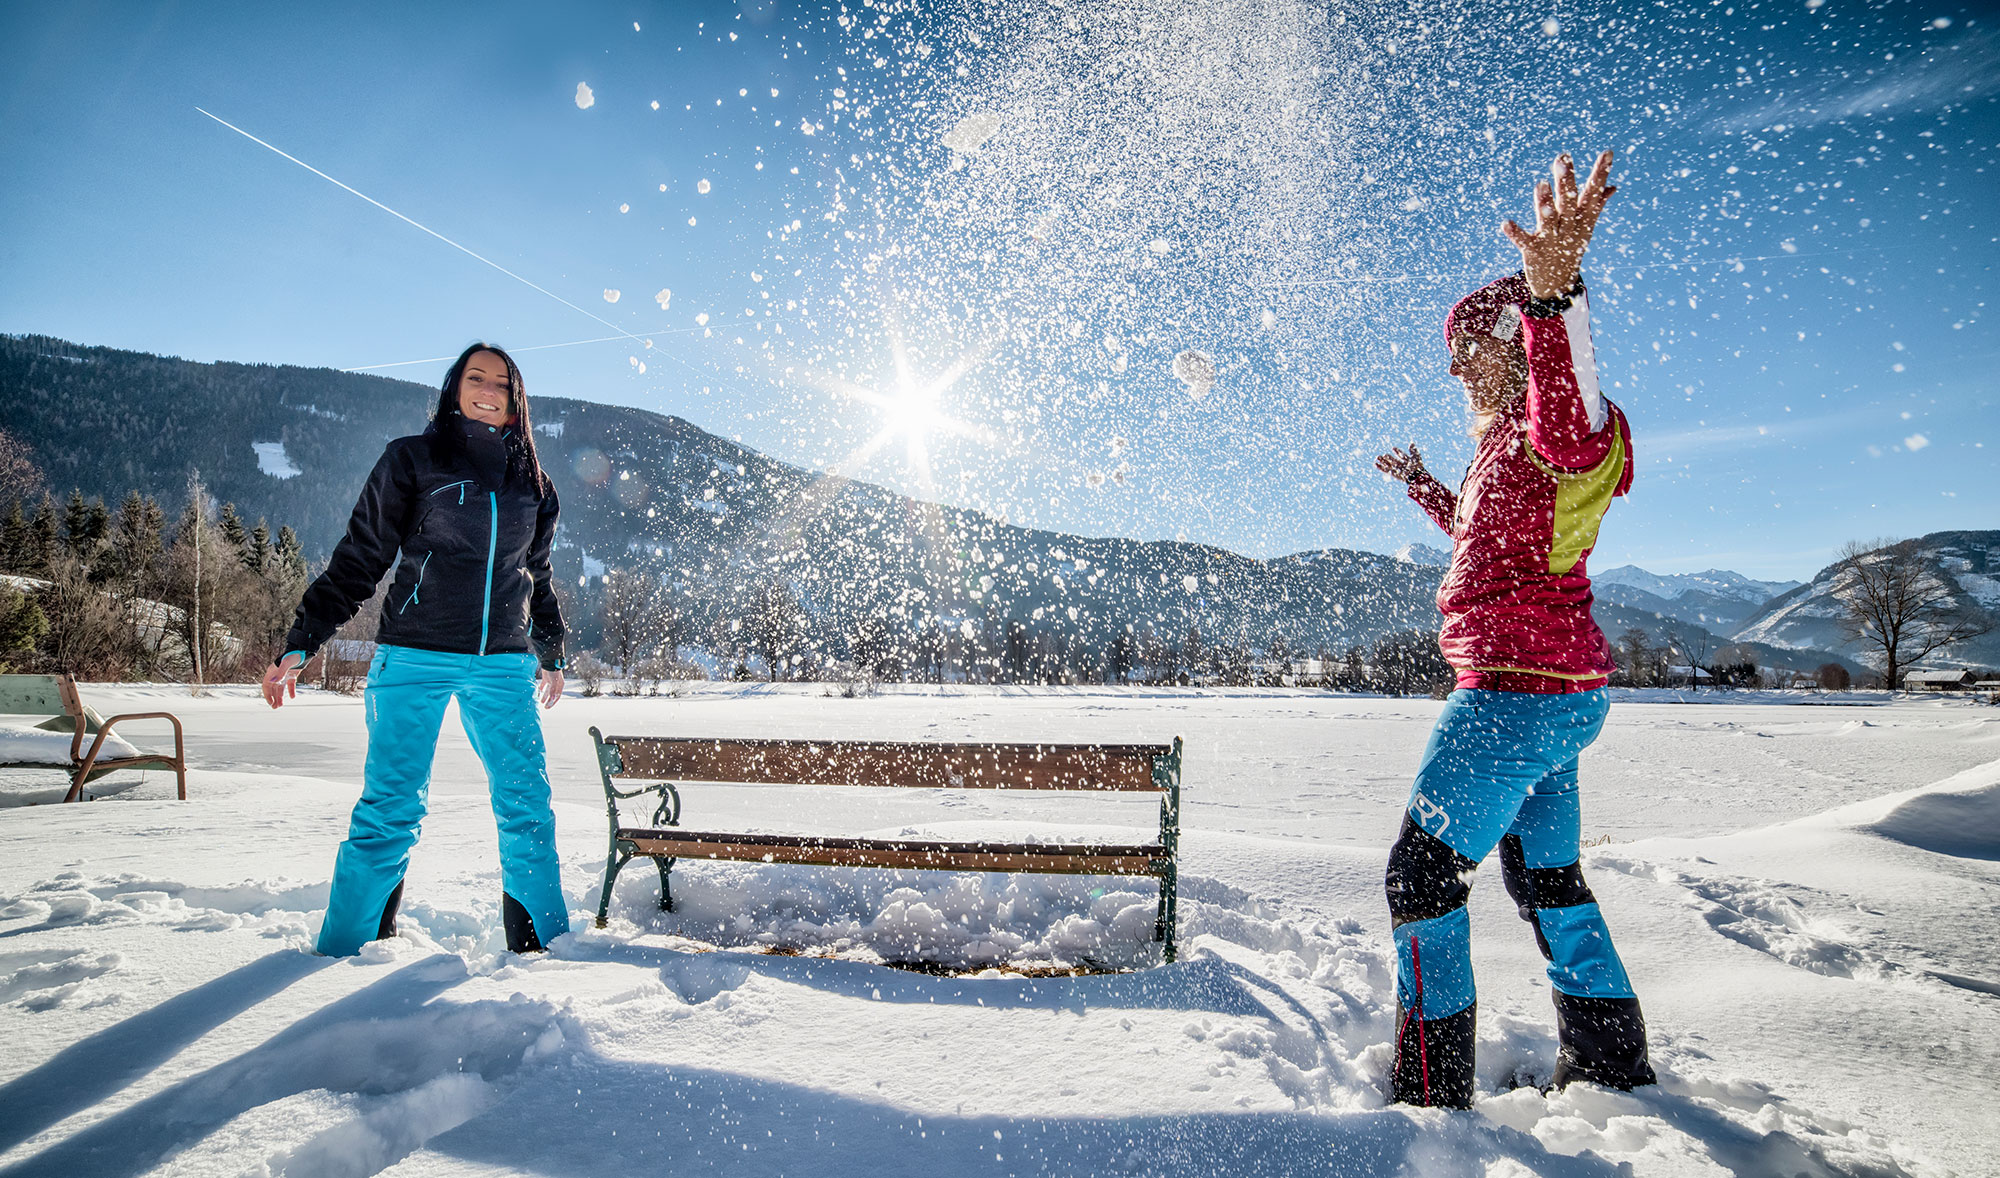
[1564, 218]
[1402, 467]
[549, 687]
[281, 679]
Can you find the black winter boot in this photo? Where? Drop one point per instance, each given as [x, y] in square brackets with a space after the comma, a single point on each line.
[1434, 1060]
[521, 936]
[1603, 1042]
[387, 928]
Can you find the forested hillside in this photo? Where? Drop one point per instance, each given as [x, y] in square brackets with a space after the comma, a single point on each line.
[726, 548]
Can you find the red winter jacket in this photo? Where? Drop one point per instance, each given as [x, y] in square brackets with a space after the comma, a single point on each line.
[1516, 600]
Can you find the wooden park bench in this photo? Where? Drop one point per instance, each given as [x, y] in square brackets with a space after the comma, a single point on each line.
[1062, 767]
[55, 696]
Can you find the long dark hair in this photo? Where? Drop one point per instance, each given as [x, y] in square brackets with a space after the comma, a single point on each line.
[448, 438]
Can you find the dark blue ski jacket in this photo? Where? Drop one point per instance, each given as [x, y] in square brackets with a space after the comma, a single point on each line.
[470, 542]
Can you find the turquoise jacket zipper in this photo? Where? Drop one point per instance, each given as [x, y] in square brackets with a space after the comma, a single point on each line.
[492, 546]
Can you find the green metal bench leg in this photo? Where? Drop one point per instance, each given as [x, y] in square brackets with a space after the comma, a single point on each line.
[666, 865]
[612, 867]
[1163, 929]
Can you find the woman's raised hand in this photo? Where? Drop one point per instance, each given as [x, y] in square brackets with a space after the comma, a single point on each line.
[1400, 466]
[1565, 216]
[281, 679]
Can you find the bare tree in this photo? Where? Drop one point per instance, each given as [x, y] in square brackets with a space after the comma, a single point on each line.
[1896, 597]
[639, 620]
[776, 624]
[1695, 643]
[20, 478]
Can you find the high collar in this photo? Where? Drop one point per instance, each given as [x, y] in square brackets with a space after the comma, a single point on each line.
[488, 447]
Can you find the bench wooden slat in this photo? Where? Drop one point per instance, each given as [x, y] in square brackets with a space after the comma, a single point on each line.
[918, 764]
[1059, 859]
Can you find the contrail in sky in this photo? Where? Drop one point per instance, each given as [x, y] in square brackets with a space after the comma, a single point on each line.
[535, 348]
[622, 333]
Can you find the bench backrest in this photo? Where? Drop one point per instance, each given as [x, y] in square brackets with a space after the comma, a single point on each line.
[926, 764]
[38, 695]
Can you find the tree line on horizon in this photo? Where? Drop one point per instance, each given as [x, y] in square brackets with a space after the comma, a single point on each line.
[122, 594]
[109, 595]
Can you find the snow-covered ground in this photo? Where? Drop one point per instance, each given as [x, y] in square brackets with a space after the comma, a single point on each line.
[1806, 898]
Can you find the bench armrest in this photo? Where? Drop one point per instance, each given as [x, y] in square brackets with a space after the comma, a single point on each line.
[667, 813]
[104, 731]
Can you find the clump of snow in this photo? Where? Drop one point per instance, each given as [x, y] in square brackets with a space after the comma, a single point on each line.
[664, 297]
[702, 186]
[1196, 370]
[584, 98]
[610, 296]
[970, 133]
[273, 461]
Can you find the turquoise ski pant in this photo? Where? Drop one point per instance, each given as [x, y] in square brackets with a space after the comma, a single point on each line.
[406, 697]
[1500, 771]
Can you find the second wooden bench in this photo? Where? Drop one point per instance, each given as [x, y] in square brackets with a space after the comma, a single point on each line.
[1061, 767]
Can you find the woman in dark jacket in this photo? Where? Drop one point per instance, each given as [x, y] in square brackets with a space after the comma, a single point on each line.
[467, 517]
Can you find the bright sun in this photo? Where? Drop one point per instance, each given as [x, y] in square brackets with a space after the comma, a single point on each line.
[910, 408]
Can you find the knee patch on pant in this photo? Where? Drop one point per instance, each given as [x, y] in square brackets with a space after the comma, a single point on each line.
[1426, 878]
[1536, 888]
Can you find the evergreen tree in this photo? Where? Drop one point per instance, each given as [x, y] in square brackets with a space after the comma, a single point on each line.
[135, 543]
[22, 627]
[41, 538]
[257, 553]
[231, 527]
[16, 541]
[76, 524]
[290, 554]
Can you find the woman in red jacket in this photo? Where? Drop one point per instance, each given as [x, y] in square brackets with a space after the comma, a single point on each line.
[1501, 766]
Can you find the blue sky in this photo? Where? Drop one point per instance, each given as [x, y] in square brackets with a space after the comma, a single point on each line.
[1039, 207]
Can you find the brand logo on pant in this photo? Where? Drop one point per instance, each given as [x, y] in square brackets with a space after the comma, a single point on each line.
[1428, 813]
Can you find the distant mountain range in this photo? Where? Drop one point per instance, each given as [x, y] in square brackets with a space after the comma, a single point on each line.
[1716, 599]
[723, 524]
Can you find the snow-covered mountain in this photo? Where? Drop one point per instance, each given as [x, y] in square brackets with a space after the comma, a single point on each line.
[1809, 616]
[1715, 582]
[1424, 554]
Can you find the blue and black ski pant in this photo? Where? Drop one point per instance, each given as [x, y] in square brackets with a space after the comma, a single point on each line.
[406, 697]
[1501, 770]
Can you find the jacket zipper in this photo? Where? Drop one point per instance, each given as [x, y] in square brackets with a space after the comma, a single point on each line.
[492, 546]
[462, 485]
[412, 599]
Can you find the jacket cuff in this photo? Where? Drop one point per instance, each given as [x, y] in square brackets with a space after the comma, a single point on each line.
[298, 642]
[1553, 308]
[550, 655]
